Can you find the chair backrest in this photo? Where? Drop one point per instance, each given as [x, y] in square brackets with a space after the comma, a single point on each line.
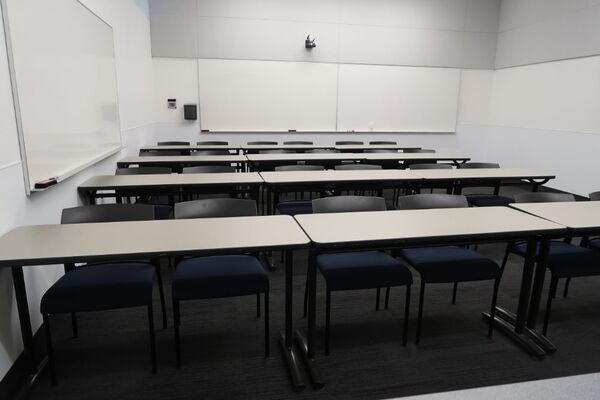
[357, 166]
[474, 165]
[215, 208]
[163, 153]
[143, 171]
[430, 166]
[418, 151]
[175, 143]
[221, 152]
[347, 142]
[207, 169]
[432, 200]
[259, 142]
[383, 142]
[212, 143]
[276, 151]
[300, 142]
[107, 213]
[537, 197]
[381, 151]
[595, 196]
[317, 151]
[300, 167]
[337, 204]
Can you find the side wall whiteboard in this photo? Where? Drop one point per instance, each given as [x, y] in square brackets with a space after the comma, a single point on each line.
[64, 84]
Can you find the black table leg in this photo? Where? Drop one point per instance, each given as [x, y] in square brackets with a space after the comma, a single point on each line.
[307, 343]
[24, 318]
[514, 326]
[285, 338]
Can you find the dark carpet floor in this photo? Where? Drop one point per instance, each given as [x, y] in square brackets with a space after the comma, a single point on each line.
[223, 345]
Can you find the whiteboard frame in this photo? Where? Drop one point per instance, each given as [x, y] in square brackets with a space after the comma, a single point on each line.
[29, 189]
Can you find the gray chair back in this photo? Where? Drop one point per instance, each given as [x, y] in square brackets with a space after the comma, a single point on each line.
[207, 169]
[537, 197]
[383, 142]
[212, 143]
[418, 151]
[317, 151]
[298, 142]
[430, 166]
[175, 143]
[595, 196]
[107, 213]
[348, 142]
[337, 204]
[143, 171]
[381, 151]
[215, 208]
[474, 165]
[263, 142]
[300, 167]
[163, 153]
[221, 152]
[276, 151]
[432, 200]
[343, 167]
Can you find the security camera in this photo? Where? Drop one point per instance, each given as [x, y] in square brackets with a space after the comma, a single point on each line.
[309, 43]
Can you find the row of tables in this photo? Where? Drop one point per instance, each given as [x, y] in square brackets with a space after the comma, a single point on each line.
[252, 148]
[319, 233]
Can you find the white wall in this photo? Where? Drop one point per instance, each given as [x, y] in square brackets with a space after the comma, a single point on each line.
[130, 21]
[448, 33]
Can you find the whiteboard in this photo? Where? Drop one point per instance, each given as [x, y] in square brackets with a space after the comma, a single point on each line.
[397, 99]
[245, 95]
[64, 86]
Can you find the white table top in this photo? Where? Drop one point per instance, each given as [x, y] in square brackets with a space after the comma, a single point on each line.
[578, 215]
[284, 146]
[480, 173]
[305, 156]
[422, 225]
[192, 147]
[442, 155]
[46, 244]
[374, 147]
[282, 177]
[183, 159]
[116, 181]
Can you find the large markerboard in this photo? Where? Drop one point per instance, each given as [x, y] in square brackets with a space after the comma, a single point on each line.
[64, 85]
[251, 95]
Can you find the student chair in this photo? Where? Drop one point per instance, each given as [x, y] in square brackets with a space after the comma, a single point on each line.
[298, 142]
[143, 171]
[418, 151]
[164, 153]
[218, 152]
[213, 143]
[447, 264]
[295, 207]
[432, 186]
[218, 276]
[162, 211]
[565, 260]
[347, 167]
[430, 166]
[262, 143]
[208, 169]
[173, 143]
[103, 286]
[348, 142]
[383, 142]
[362, 269]
[486, 200]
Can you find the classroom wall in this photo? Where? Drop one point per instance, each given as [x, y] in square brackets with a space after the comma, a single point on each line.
[544, 114]
[446, 33]
[130, 21]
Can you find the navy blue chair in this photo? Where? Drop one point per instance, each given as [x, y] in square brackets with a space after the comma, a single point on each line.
[295, 207]
[565, 259]
[218, 276]
[162, 211]
[213, 143]
[418, 151]
[447, 264]
[430, 166]
[593, 243]
[102, 286]
[362, 269]
[482, 199]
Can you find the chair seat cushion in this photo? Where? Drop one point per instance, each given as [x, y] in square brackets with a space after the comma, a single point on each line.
[594, 244]
[295, 207]
[100, 287]
[450, 264]
[488, 200]
[219, 276]
[362, 270]
[569, 260]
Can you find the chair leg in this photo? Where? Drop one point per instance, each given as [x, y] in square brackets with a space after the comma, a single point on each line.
[257, 305]
[49, 350]
[406, 314]
[420, 315]
[493, 309]
[387, 297]
[176, 325]
[506, 254]
[567, 283]
[377, 299]
[74, 325]
[305, 297]
[161, 292]
[454, 289]
[327, 320]
[152, 338]
[267, 340]
[551, 295]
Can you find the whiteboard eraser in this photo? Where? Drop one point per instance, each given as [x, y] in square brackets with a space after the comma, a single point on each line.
[45, 183]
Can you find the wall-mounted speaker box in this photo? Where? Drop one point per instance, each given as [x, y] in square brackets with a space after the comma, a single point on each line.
[190, 112]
